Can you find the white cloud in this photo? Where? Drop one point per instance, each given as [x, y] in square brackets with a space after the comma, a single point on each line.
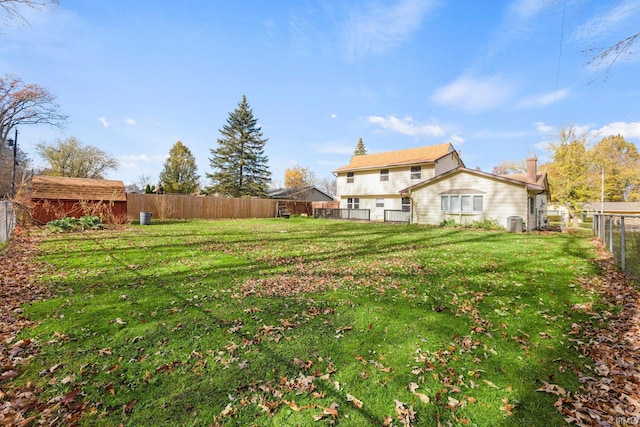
[104, 121]
[131, 122]
[544, 128]
[611, 21]
[406, 126]
[456, 139]
[627, 130]
[475, 95]
[382, 27]
[334, 116]
[543, 100]
[523, 10]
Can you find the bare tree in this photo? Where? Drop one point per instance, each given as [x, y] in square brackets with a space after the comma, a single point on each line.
[25, 104]
[610, 55]
[12, 8]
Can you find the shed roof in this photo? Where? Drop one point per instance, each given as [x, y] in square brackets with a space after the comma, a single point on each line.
[63, 188]
[613, 207]
[430, 153]
[296, 193]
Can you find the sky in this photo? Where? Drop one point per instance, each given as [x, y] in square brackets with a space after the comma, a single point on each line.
[497, 79]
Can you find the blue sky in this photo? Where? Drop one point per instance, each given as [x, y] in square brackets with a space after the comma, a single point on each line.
[495, 78]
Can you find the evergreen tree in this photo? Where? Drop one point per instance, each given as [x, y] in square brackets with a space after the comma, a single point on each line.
[360, 150]
[239, 164]
[179, 173]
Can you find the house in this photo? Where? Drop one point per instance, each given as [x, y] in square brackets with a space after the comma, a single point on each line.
[56, 197]
[374, 181]
[467, 195]
[432, 185]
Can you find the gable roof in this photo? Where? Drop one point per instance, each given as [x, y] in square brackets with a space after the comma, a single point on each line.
[540, 177]
[504, 178]
[64, 188]
[283, 193]
[410, 156]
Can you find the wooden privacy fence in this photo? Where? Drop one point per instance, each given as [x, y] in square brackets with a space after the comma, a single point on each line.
[181, 206]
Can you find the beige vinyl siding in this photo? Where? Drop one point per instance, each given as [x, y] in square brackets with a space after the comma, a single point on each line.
[536, 220]
[501, 200]
[447, 163]
[367, 182]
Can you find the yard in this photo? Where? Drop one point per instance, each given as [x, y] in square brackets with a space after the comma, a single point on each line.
[307, 322]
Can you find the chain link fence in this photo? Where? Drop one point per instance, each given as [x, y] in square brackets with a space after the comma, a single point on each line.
[621, 234]
[7, 220]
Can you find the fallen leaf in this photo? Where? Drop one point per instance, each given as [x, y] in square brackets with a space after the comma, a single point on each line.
[126, 409]
[507, 407]
[552, 389]
[423, 397]
[356, 402]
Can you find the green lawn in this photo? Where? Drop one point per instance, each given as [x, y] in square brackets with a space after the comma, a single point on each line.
[310, 322]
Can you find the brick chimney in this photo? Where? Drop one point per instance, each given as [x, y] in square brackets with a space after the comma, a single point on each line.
[532, 169]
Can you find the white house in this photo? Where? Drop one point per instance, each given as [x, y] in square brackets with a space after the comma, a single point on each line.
[432, 185]
[374, 181]
[467, 195]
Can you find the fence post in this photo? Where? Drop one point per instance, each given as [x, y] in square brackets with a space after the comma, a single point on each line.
[611, 234]
[623, 243]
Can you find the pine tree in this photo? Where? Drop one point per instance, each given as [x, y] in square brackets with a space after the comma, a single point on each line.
[179, 173]
[239, 164]
[360, 150]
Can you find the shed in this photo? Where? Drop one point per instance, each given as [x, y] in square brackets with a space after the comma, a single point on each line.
[612, 208]
[299, 201]
[56, 197]
[307, 194]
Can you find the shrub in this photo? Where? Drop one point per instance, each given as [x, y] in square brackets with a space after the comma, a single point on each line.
[65, 224]
[487, 224]
[448, 223]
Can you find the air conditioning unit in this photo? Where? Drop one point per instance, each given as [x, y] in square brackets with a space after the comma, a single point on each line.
[514, 224]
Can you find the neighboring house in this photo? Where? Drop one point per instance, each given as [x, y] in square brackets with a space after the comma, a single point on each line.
[374, 181]
[309, 194]
[432, 185]
[56, 197]
[612, 208]
[467, 195]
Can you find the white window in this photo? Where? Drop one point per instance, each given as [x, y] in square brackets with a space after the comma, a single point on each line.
[353, 203]
[465, 204]
[444, 203]
[477, 204]
[350, 178]
[454, 203]
[416, 172]
[384, 174]
[406, 204]
[379, 203]
[462, 203]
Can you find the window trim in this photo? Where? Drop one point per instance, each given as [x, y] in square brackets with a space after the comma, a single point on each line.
[416, 172]
[353, 202]
[405, 204]
[350, 177]
[379, 202]
[384, 174]
[461, 203]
